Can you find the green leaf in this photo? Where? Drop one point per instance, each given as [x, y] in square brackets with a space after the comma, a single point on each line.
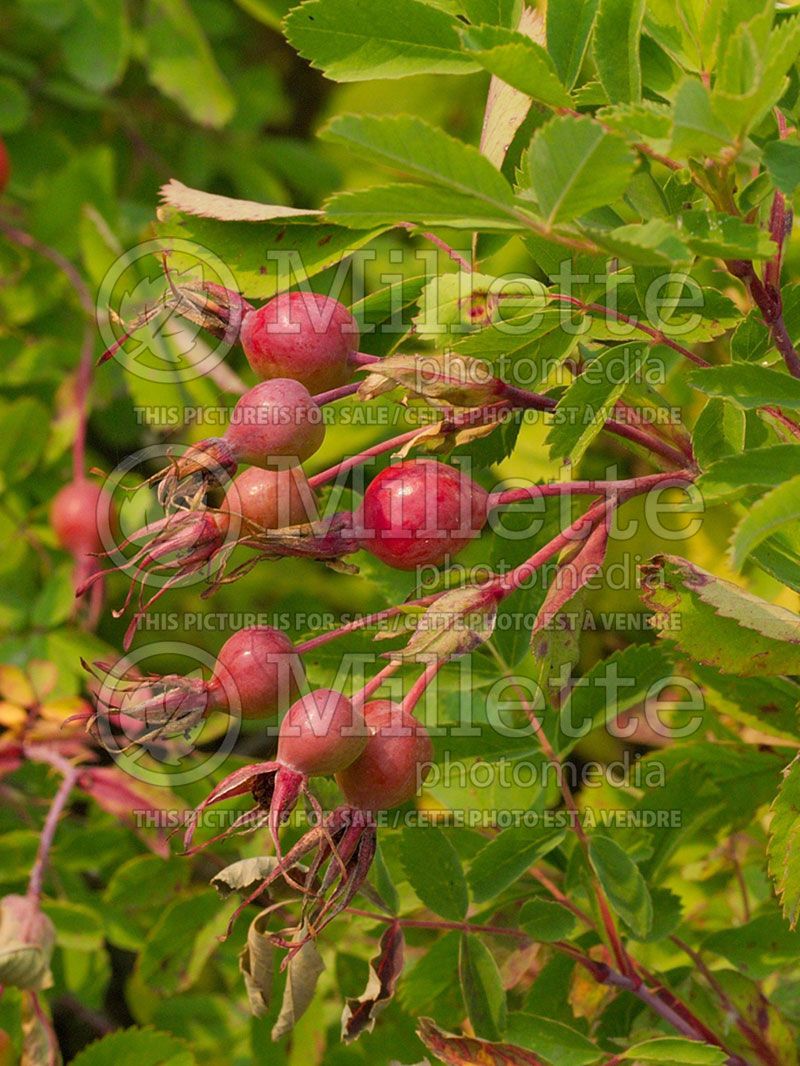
[482, 988]
[575, 166]
[714, 234]
[720, 624]
[181, 941]
[569, 27]
[759, 466]
[261, 264]
[135, 896]
[767, 515]
[181, 64]
[784, 843]
[697, 130]
[77, 927]
[386, 205]
[15, 105]
[553, 1040]
[605, 691]
[618, 28]
[653, 242]
[782, 159]
[433, 868]
[23, 435]
[426, 153]
[546, 921]
[135, 1047]
[675, 1051]
[667, 915]
[507, 856]
[359, 40]
[749, 386]
[588, 403]
[517, 60]
[96, 43]
[432, 976]
[759, 947]
[623, 883]
[718, 432]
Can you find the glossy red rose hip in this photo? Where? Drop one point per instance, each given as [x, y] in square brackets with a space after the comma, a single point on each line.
[270, 499]
[394, 762]
[257, 673]
[419, 512]
[321, 734]
[301, 335]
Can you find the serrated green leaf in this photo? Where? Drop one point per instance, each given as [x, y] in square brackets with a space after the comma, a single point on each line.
[482, 988]
[784, 843]
[517, 60]
[136, 1047]
[675, 1051]
[553, 1040]
[720, 624]
[426, 153]
[749, 386]
[575, 166]
[618, 28]
[569, 28]
[697, 131]
[434, 871]
[545, 921]
[715, 234]
[757, 948]
[387, 205]
[718, 432]
[588, 403]
[623, 883]
[782, 159]
[354, 40]
[506, 857]
[758, 466]
[771, 512]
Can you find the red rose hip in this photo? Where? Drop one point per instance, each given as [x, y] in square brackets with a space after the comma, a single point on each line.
[301, 335]
[321, 734]
[419, 513]
[80, 514]
[394, 762]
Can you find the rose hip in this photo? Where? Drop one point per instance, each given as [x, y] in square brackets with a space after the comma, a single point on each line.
[257, 673]
[270, 499]
[301, 335]
[395, 759]
[80, 514]
[321, 734]
[274, 420]
[420, 512]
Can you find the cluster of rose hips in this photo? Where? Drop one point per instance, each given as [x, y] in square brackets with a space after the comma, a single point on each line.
[416, 512]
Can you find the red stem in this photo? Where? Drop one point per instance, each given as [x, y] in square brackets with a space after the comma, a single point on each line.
[69, 777]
